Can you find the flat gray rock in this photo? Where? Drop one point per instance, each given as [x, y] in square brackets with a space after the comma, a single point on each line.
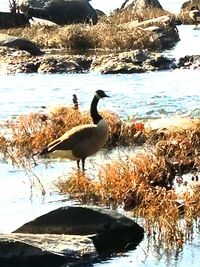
[20, 43]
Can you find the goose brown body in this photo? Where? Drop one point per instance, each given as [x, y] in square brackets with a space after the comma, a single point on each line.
[83, 140]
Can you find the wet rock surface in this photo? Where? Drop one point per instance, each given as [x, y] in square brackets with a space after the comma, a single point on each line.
[189, 62]
[71, 234]
[137, 61]
[45, 249]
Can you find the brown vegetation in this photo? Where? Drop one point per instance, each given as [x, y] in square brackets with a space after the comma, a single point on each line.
[109, 34]
[29, 134]
[142, 182]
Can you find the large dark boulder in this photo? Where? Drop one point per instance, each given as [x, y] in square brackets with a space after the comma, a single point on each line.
[111, 231]
[141, 4]
[10, 20]
[60, 11]
[20, 43]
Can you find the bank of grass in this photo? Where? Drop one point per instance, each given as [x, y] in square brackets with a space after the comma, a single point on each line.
[111, 33]
[27, 135]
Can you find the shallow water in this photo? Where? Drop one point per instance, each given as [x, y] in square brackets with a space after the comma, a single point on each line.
[146, 96]
[149, 95]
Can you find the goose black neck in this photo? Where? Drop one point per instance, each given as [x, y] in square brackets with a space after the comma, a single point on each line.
[93, 111]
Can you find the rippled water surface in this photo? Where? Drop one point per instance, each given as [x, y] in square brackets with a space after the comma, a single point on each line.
[146, 96]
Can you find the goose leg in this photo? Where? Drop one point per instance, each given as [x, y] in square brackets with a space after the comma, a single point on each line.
[78, 164]
[83, 164]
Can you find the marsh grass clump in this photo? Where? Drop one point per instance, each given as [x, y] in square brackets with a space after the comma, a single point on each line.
[184, 17]
[129, 174]
[79, 187]
[111, 33]
[180, 147]
[127, 182]
[27, 135]
[80, 37]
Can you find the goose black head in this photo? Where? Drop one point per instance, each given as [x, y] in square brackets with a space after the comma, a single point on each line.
[100, 94]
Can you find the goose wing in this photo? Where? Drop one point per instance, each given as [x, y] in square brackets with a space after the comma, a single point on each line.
[72, 138]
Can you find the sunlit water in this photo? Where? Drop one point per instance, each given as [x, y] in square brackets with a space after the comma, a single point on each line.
[144, 96]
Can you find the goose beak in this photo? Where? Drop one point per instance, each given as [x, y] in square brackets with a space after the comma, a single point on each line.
[106, 95]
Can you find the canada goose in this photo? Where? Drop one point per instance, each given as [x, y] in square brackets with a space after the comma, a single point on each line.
[195, 14]
[83, 140]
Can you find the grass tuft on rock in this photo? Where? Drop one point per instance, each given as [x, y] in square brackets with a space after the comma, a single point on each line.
[111, 33]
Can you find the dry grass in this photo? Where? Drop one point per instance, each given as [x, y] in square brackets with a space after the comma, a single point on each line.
[128, 182]
[143, 183]
[29, 134]
[120, 178]
[184, 17]
[108, 34]
[180, 147]
[76, 37]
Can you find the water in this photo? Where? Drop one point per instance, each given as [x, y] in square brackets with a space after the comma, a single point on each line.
[149, 95]
[142, 95]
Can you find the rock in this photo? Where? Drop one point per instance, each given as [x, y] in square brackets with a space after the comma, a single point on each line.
[137, 61]
[75, 64]
[163, 28]
[10, 20]
[166, 36]
[100, 13]
[189, 62]
[20, 43]
[110, 231]
[188, 4]
[159, 62]
[165, 19]
[141, 4]
[44, 250]
[60, 11]
[42, 22]
[171, 123]
[126, 62]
